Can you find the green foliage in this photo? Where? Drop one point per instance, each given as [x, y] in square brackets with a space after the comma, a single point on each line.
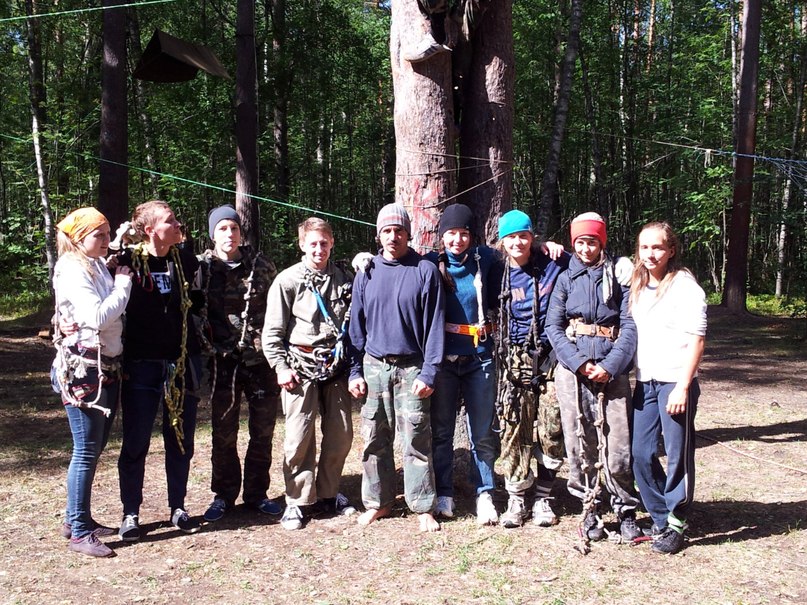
[21, 250]
[646, 105]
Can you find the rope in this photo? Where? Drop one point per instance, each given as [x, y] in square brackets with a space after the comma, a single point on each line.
[752, 456]
[84, 10]
[590, 494]
[174, 387]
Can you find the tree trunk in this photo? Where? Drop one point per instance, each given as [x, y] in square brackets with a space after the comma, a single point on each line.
[246, 124]
[282, 73]
[150, 183]
[486, 131]
[113, 183]
[600, 197]
[424, 125]
[737, 265]
[798, 105]
[549, 184]
[38, 119]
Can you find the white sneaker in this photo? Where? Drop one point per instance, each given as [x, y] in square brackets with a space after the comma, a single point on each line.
[292, 518]
[444, 507]
[424, 49]
[542, 513]
[485, 510]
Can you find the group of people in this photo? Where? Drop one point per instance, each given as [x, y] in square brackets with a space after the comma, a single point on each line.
[536, 343]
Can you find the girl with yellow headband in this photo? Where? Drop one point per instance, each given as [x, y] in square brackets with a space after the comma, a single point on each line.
[86, 369]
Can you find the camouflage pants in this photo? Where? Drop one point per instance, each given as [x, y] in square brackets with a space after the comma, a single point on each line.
[260, 388]
[531, 426]
[391, 406]
[582, 448]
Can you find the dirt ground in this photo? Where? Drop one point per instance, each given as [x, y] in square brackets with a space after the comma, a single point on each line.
[747, 540]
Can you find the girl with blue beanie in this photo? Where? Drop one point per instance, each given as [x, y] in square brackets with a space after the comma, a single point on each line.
[525, 365]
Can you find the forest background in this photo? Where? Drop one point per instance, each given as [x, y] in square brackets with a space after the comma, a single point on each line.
[650, 130]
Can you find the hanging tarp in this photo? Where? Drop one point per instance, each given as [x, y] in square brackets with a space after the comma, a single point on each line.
[169, 59]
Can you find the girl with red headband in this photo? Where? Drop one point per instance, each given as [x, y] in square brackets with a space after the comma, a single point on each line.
[594, 336]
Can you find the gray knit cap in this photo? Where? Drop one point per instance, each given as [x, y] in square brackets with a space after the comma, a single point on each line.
[393, 214]
[222, 213]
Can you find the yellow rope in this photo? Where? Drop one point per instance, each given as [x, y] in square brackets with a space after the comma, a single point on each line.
[175, 385]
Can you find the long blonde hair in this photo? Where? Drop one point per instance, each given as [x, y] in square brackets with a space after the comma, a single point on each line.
[641, 276]
[67, 247]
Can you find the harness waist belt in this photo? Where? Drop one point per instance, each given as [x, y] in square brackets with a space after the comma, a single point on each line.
[304, 348]
[479, 333]
[397, 359]
[91, 354]
[583, 329]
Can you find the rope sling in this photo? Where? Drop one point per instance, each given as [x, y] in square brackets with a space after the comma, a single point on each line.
[481, 329]
[69, 366]
[174, 386]
[507, 352]
[242, 344]
[592, 493]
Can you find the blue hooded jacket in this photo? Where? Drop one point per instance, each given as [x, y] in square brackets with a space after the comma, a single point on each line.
[578, 294]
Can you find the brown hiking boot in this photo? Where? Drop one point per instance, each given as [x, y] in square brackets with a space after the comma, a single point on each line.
[91, 546]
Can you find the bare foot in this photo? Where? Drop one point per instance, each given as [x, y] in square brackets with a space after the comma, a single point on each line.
[428, 523]
[373, 514]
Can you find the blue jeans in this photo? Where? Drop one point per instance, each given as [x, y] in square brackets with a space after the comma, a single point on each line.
[90, 429]
[473, 378]
[143, 386]
[669, 492]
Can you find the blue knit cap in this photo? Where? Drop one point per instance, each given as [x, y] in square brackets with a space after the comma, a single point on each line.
[513, 222]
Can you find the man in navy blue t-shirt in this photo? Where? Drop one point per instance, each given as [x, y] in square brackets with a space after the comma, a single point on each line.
[397, 323]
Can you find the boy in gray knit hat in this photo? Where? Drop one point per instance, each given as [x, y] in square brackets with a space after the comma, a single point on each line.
[397, 326]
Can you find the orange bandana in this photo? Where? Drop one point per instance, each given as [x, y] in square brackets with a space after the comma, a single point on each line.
[80, 223]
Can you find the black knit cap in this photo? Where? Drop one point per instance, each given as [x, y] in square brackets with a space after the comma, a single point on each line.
[456, 216]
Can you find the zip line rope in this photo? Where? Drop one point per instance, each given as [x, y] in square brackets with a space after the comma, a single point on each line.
[793, 169]
[83, 10]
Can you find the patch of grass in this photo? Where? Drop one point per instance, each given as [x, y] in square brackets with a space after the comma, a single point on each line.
[17, 306]
[768, 305]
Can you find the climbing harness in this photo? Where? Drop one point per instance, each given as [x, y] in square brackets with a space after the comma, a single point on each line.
[329, 362]
[73, 361]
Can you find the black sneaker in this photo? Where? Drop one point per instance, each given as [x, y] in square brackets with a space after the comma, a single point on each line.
[183, 522]
[629, 530]
[216, 510]
[593, 527]
[668, 543]
[129, 528]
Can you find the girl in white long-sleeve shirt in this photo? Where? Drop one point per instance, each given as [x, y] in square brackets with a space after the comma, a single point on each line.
[669, 308]
[89, 298]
